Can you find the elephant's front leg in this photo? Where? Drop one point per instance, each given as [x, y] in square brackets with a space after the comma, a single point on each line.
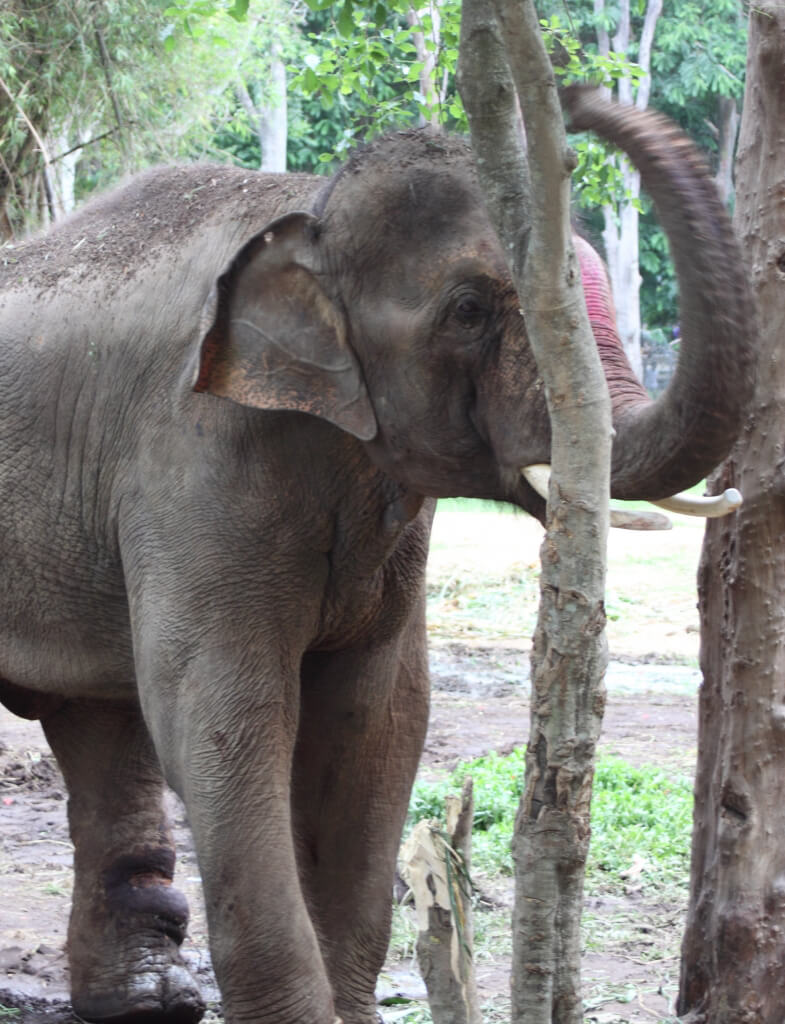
[225, 731]
[127, 920]
[363, 721]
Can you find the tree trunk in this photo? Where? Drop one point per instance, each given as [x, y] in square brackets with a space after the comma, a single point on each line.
[621, 238]
[269, 120]
[728, 129]
[273, 121]
[436, 867]
[734, 946]
[620, 234]
[568, 662]
[431, 89]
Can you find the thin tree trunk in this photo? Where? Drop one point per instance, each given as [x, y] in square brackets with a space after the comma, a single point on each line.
[734, 946]
[274, 128]
[431, 90]
[270, 120]
[569, 657]
[438, 874]
[620, 234]
[728, 129]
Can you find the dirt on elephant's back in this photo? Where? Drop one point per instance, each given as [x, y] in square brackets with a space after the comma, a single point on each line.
[479, 704]
[114, 235]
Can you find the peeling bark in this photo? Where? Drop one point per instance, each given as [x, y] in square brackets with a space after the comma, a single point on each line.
[437, 872]
[734, 946]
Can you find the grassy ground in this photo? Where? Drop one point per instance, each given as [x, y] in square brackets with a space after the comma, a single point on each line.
[641, 825]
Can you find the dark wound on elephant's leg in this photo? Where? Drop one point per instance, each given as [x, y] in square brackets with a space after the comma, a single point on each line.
[139, 886]
[127, 919]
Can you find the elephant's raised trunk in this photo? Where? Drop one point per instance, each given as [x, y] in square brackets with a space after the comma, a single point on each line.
[665, 446]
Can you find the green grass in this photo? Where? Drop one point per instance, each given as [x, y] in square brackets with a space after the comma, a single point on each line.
[641, 819]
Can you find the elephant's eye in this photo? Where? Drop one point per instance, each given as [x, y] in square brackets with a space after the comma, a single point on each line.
[468, 311]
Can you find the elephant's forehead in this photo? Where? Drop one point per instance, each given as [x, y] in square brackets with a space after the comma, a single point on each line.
[463, 259]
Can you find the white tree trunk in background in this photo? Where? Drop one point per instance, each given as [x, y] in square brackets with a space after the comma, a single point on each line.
[273, 123]
[621, 225]
[433, 83]
[269, 121]
[63, 171]
[728, 129]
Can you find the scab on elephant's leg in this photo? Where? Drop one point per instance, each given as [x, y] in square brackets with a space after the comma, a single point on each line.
[127, 920]
[362, 727]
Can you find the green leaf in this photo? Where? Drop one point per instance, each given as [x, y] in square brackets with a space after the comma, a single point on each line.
[240, 10]
[310, 81]
[345, 20]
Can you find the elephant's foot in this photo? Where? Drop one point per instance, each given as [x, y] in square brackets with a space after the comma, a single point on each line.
[125, 963]
[162, 994]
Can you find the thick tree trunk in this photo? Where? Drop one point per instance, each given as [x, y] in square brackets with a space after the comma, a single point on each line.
[734, 946]
[568, 662]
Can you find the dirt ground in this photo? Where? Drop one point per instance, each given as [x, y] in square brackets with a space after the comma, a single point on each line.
[480, 704]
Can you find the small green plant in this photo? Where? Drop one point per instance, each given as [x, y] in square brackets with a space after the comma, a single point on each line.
[641, 819]
[10, 1013]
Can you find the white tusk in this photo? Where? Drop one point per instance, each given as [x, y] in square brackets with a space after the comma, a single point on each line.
[538, 477]
[711, 507]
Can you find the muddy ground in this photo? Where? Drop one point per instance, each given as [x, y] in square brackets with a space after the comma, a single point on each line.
[479, 704]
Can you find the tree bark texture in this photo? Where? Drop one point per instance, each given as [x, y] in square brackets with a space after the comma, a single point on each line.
[569, 657]
[733, 953]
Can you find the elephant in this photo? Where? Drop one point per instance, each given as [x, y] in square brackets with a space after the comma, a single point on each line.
[228, 403]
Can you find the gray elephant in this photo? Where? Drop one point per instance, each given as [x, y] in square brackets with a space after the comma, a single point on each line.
[227, 402]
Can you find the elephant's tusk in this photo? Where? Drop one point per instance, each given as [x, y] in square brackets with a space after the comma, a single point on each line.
[710, 506]
[538, 476]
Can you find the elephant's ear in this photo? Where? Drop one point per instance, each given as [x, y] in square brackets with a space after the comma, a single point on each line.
[272, 337]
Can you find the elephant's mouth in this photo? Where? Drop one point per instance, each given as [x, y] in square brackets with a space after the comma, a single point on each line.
[707, 506]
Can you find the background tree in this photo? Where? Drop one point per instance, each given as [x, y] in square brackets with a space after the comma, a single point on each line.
[734, 946]
[93, 89]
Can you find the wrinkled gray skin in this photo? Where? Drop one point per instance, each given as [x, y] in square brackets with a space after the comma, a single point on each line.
[223, 587]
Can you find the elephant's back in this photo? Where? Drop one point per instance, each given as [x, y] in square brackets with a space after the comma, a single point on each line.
[98, 314]
[160, 212]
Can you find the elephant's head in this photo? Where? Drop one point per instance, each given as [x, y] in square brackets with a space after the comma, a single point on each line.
[389, 311]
